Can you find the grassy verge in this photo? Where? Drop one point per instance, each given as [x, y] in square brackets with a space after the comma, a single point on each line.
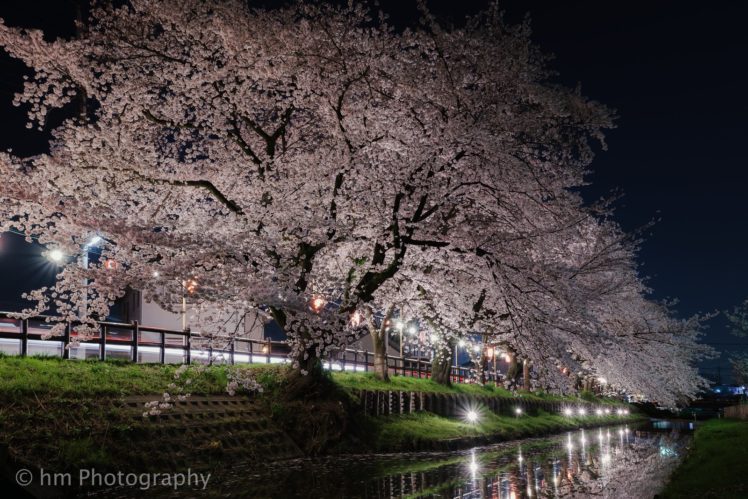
[367, 381]
[426, 430]
[716, 464]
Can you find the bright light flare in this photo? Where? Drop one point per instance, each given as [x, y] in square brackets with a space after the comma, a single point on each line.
[568, 412]
[56, 255]
[471, 416]
[599, 412]
[94, 241]
[318, 303]
[356, 319]
[582, 411]
[518, 411]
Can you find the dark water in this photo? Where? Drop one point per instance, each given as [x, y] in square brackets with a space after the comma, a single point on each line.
[611, 462]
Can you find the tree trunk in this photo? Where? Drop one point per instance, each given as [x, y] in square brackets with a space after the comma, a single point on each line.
[379, 341]
[513, 372]
[441, 368]
[526, 375]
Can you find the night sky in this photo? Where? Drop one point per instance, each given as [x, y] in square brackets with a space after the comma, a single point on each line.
[675, 72]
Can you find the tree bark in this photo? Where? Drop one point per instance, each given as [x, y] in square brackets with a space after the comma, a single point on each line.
[441, 368]
[526, 375]
[513, 372]
[379, 342]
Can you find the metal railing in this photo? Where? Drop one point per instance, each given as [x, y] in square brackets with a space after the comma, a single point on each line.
[146, 344]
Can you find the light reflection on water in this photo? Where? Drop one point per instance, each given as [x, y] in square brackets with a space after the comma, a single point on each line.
[610, 462]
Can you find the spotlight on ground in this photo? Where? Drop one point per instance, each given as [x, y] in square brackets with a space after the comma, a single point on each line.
[471, 416]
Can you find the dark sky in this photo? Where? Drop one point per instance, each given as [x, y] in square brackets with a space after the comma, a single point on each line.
[676, 73]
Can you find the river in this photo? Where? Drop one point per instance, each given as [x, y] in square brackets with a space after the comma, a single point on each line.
[610, 462]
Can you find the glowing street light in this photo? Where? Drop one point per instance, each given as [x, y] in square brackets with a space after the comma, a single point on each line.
[94, 241]
[56, 255]
[156, 273]
[461, 343]
[471, 416]
[356, 319]
[412, 330]
[476, 348]
[317, 303]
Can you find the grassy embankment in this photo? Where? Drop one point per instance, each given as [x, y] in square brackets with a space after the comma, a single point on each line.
[61, 411]
[717, 464]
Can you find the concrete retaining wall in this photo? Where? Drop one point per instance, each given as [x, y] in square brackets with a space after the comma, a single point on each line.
[385, 403]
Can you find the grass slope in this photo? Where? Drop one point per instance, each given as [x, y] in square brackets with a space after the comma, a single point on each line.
[419, 430]
[716, 466]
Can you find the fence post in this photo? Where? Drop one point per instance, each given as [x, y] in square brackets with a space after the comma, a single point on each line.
[231, 351]
[24, 337]
[418, 367]
[402, 360]
[135, 335]
[102, 343]
[66, 341]
[162, 354]
[188, 338]
[366, 361]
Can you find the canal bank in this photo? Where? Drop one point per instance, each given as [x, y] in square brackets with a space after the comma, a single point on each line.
[65, 415]
[716, 464]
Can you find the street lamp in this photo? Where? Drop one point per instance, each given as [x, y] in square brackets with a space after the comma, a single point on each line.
[56, 255]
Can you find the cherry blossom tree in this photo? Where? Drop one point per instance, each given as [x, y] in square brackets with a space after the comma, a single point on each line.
[314, 162]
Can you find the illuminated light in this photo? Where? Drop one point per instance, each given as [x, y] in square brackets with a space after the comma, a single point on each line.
[507, 357]
[400, 325]
[607, 411]
[599, 412]
[620, 412]
[264, 349]
[56, 255]
[606, 458]
[318, 303]
[461, 343]
[190, 285]
[471, 416]
[111, 264]
[434, 338]
[476, 348]
[413, 330]
[625, 411]
[155, 273]
[489, 353]
[568, 412]
[473, 467]
[582, 411]
[356, 319]
[518, 411]
[94, 241]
